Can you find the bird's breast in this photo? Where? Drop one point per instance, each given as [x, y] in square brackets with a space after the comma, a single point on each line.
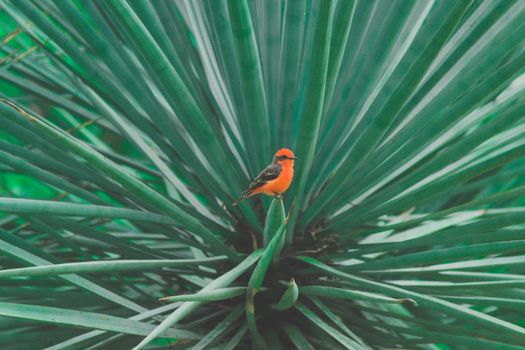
[281, 183]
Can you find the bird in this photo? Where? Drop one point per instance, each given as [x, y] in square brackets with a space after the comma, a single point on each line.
[275, 179]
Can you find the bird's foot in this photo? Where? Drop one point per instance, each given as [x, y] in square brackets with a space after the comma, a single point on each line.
[279, 196]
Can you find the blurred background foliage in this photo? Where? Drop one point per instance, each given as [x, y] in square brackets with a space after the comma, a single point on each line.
[143, 120]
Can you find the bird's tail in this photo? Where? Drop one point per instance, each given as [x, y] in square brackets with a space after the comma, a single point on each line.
[237, 201]
[244, 196]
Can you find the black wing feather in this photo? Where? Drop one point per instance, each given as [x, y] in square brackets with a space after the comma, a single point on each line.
[271, 172]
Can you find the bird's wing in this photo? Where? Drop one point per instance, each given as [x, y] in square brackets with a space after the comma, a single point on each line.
[271, 172]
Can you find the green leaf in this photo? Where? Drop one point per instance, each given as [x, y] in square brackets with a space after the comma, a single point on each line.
[297, 337]
[267, 255]
[87, 319]
[179, 97]
[40, 207]
[440, 28]
[143, 120]
[106, 266]
[338, 321]
[235, 339]
[257, 278]
[440, 255]
[318, 322]
[425, 301]
[275, 218]
[251, 80]
[28, 257]
[342, 25]
[139, 317]
[219, 331]
[311, 111]
[467, 264]
[125, 179]
[476, 341]
[289, 297]
[338, 293]
[188, 307]
[486, 301]
[293, 33]
[48, 177]
[213, 295]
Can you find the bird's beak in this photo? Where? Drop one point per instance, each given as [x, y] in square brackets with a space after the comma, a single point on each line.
[293, 158]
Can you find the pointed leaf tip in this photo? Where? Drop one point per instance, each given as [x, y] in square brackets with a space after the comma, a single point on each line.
[289, 297]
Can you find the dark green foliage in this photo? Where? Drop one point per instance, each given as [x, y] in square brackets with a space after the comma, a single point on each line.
[128, 127]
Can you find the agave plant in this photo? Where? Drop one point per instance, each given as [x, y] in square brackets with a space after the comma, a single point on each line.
[127, 128]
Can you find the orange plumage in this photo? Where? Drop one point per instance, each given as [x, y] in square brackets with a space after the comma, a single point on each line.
[275, 178]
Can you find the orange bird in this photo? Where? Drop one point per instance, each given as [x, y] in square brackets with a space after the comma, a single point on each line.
[275, 179]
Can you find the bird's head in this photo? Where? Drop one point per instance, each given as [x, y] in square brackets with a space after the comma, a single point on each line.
[284, 157]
